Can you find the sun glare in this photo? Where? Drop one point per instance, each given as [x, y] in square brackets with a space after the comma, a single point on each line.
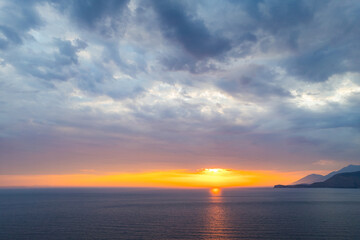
[214, 170]
[215, 191]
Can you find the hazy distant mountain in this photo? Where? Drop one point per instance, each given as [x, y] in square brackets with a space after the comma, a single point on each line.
[350, 168]
[312, 178]
[340, 180]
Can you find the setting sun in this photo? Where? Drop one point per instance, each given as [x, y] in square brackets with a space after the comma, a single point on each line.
[214, 170]
[215, 191]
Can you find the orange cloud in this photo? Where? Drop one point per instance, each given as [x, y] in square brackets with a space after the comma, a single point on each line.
[173, 178]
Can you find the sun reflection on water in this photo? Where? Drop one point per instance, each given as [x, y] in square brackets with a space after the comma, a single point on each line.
[216, 218]
[215, 191]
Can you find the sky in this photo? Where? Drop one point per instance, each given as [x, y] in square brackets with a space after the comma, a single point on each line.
[140, 86]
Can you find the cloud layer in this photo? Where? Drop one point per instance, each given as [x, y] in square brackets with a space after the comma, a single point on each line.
[129, 85]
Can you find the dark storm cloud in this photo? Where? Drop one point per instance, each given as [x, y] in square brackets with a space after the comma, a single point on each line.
[277, 15]
[184, 29]
[105, 17]
[282, 20]
[338, 52]
[181, 25]
[267, 27]
[322, 44]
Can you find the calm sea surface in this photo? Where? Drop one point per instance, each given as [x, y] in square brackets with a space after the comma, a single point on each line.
[179, 214]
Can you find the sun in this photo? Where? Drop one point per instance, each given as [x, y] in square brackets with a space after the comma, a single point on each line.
[215, 176]
[215, 191]
[214, 170]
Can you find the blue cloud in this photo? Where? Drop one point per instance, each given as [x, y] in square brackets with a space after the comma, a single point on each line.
[105, 17]
[180, 25]
[16, 19]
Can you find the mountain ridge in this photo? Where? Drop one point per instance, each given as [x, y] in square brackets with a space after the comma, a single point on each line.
[340, 180]
[312, 178]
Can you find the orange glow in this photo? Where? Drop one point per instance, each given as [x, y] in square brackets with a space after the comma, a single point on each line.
[205, 178]
[215, 191]
[213, 170]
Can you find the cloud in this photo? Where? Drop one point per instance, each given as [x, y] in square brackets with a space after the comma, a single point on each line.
[104, 17]
[253, 80]
[194, 43]
[276, 15]
[17, 19]
[324, 162]
[10, 37]
[182, 26]
[268, 84]
[48, 66]
[68, 51]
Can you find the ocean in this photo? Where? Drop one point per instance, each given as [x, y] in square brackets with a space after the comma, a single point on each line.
[125, 213]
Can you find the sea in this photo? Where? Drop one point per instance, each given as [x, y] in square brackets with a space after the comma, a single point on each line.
[135, 213]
